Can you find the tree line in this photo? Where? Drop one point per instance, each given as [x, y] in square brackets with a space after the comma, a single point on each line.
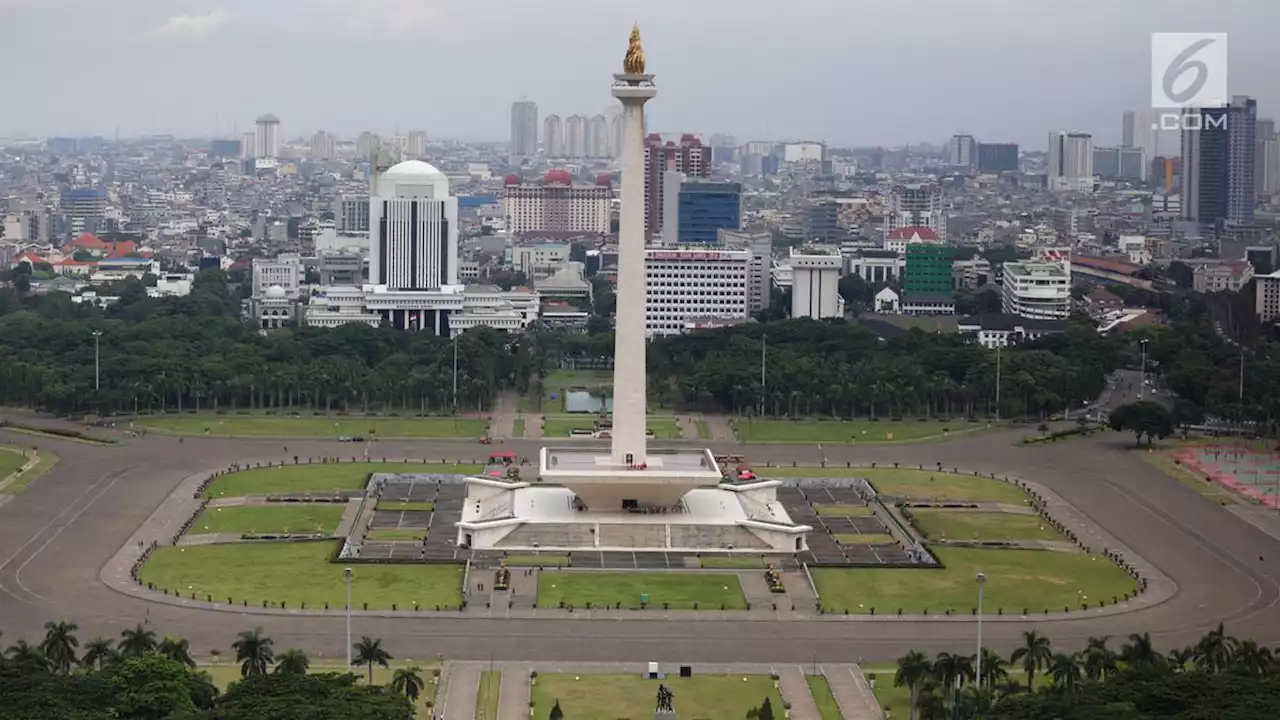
[142, 676]
[1219, 677]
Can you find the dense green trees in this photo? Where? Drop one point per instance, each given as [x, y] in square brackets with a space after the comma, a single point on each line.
[1143, 418]
[146, 680]
[1220, 677]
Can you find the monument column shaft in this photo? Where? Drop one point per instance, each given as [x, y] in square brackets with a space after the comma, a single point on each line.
[629, 370]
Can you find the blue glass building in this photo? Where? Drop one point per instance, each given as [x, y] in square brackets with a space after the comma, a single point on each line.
[706, 208]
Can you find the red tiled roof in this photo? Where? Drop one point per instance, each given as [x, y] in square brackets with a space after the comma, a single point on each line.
[913, 231]
[28, 257]
[88, 241]
[123, 248]
[73, 261]
[1097, 263]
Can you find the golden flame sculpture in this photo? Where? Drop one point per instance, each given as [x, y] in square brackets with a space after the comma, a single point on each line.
[633, 63]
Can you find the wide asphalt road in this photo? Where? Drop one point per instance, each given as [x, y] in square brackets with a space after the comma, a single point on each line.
[58, 534]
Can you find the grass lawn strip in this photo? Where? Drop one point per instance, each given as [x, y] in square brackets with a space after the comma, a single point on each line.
[845, 431]
[914, 484]
[1016, 579]
[517, 428]
[539, 560]
[703, 428]
[1212, 490]
[863, 538]
[393, 535]
[487, 695]
[45, 463]
[606, 697]
[298, 572]
[732, 561]
[11, 460]
[292, 518]
[320, 478]
[843, 510]
[405, 505]
[311, 427]
[822, 697]
[680, 590]
[980, 525]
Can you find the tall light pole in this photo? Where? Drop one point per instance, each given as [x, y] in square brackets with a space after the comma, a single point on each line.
[455, 374]
[997, 383]
[982, 580]
[764, 344]
[347, 574]
[1142, 381]
[1241, 396]
[97, 360]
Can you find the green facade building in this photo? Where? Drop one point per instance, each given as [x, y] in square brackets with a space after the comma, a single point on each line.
[928, 269]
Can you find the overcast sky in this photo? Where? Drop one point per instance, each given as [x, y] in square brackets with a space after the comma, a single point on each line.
[843, 71]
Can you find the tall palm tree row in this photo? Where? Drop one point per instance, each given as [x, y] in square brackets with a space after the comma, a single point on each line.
[946, 687]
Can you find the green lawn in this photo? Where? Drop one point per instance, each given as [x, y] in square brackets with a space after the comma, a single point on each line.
[1016, 579]
[978, 525]
[517, 428]
[311, 427]
[914, 484]
[677, 589]
[732, 561]
[391, 535]
[539, 560]
[1163, 462]
[12, 460]
[703, 428]
[663, 428]
[826, 702]
[844, 510]
[863, 538]
[608, 697]
[405, 505]
[292, 517]
[487, 695]
[845, 431]
[319, 478]
[298, 572]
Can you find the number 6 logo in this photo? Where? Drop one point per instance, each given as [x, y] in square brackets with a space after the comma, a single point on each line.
[1188, 70]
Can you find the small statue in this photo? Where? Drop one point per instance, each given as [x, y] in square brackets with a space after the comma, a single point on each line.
[665, 697]
[633, 62]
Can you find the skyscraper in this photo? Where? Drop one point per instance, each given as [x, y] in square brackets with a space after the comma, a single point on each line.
[1138, 129]
[413, 229]
[1264, 173]
[416, 144]
[690, 157]
[1219, 152]
[1070, 161]
[322, 146]
[267, 140]
[597, 137]
[575, 136]
[962, 151]
[524, 129]
[553, 137]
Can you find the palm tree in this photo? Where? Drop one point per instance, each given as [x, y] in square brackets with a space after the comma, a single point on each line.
[1034, 655]
[1099, 661]
[976, 702]
[59, 645]
[369, 652]
[408, 682]
[1178, 659]
[97, 653]
[1253, 660]
[946, 670]
[1214, 651]
[993, 668]
[292, 662]
[27, 656]
[1065, 670]
[1008, 686]
[136, 642]
[913, 668]
[176, 649]
[253, 652]
[1140, 654]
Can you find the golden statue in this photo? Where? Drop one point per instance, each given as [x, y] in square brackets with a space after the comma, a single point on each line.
[633, 63]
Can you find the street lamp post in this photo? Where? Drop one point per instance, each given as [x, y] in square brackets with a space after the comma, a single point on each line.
[763, 351]
[1142, 378]
[97, 363]
[982, 580]
[455, 374]
[997, 383]
[347, 574]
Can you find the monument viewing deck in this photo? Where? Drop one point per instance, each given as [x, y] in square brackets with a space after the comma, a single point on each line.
[661, 481]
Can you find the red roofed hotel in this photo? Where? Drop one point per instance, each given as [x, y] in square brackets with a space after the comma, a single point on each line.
[898, 240]
[557, 205]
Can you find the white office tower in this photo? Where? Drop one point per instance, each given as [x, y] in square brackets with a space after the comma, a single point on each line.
[366, 143]
[575, 136]
[693, 287]
[413, 229]
[553, 137]
[524, 129]
[1036, 290]
[266, 143]
[815, 284]
[1139, 129]
[1070, 161]
[916, 205]
[962, 151]
[323, 146]
[415, 145]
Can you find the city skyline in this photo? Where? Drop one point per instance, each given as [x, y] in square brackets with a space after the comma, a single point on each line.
[999, 84]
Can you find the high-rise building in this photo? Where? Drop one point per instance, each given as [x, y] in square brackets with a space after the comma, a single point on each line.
[1036, 290]
[225, 148]
[1070, 161]
[815, 284]
[557, 205]
[553, 137]
[928, 268]
[367, 143]
[689, 157]
[524, 129]
[84, 208]
[1120, 163]
[413, 229]
[248, 144]
[267, 140]
[686, 285]
[962, 151]
[759, 280]
[706, 208]
[597, 137]
[575, 136]
[997, 157]
[1138, 128]
[1264, 173]
[416, 144]
[352, 214]
[1219, 151]
[916, 205]
[323, 146]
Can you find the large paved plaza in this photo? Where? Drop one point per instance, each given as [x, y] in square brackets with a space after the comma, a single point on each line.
[57, 537]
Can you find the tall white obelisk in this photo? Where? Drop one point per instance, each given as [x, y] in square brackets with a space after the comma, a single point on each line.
[633, 88]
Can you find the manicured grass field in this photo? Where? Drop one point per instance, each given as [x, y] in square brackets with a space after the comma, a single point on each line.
[392, 535]
[822, 697]
[914, 484]
[487, 695]
[1016, 579]
[23, 481]
[680, 590]
[703, 428]
[539, 560]
[843, 510]
[977, 525]
[663, 428]
[293, 518]
[846, 431]
[863, 538]
[311, 427]
[405, 505]
[607, 697]
[297, 572]
[319, 478]
[10, 460]
[517, 428]
[732, 561]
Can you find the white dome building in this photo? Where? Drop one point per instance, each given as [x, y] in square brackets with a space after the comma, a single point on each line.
[413, 231]
[413, 179]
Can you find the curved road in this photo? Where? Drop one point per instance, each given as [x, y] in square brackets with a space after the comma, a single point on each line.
[58, 534]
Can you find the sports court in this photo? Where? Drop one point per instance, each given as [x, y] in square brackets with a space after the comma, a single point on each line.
[1248, 471]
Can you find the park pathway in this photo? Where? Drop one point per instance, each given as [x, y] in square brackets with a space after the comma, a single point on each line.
[757, 592]
[720, 429]
[795, 690]
[505, 412]
[514, 692]
[533, 427]
[852, 693]
[461, 688]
